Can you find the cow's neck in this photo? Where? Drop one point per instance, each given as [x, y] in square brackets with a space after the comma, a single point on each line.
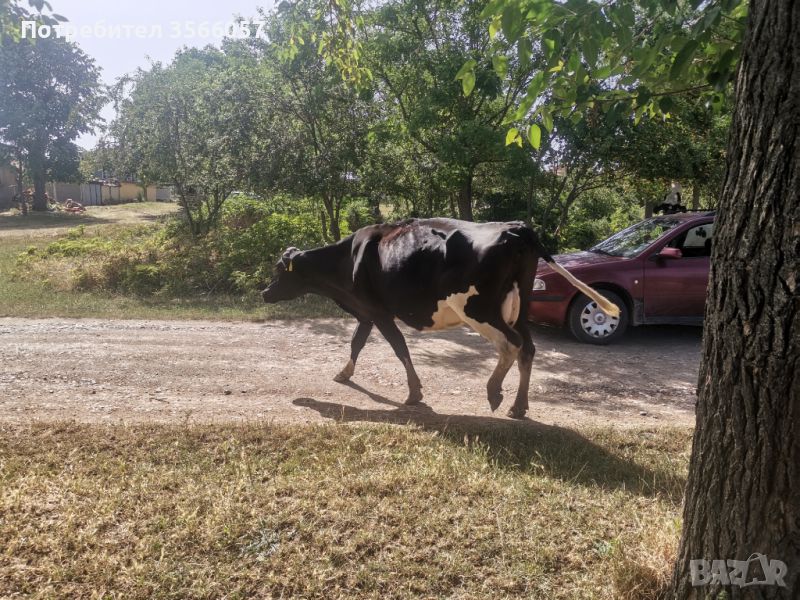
[329, 270]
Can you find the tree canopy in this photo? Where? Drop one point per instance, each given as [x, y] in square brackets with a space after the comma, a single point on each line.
[192, 124]
[50, 93]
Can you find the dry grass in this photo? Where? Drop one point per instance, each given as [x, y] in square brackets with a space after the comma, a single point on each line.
[337, 511]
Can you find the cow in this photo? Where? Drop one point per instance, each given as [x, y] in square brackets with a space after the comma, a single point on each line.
[431, 274]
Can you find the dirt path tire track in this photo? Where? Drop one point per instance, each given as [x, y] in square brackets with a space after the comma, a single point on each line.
[173, 371]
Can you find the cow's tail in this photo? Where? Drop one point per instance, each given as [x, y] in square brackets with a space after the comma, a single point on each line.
[604, 303]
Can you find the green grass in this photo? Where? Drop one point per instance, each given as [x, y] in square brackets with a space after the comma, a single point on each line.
[29, 297]
[337, 511]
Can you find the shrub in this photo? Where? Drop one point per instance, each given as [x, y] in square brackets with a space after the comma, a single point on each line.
[166, 260]
[251, 238]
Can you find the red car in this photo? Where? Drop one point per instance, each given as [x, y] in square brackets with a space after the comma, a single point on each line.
[656, 271]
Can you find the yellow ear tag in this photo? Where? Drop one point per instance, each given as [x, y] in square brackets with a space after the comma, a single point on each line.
[290, 266]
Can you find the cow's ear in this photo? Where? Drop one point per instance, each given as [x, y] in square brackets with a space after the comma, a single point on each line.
[288, 258]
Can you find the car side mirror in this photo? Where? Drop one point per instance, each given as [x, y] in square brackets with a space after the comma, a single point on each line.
[668, 252]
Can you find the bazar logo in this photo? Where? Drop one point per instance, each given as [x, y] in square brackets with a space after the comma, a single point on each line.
[736, 572]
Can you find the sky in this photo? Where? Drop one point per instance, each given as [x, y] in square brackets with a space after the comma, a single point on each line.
[181, 23]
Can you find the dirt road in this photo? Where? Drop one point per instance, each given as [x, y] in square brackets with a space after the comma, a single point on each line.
[112, 371]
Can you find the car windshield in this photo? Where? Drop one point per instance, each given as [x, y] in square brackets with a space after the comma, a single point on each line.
[632, 241]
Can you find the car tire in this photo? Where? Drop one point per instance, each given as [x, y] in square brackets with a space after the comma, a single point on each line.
[591, 325]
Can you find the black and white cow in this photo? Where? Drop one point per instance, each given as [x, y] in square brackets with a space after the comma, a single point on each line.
[431, 274]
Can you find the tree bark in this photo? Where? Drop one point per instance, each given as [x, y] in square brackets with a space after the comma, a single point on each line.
[23, 204]
[529, 202]
[452, 204]
[743, 490]
[39, 176]
[465, 199]
[695, 197]
[333, 218]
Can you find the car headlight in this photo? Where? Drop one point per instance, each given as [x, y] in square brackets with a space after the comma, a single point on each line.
[539, 285]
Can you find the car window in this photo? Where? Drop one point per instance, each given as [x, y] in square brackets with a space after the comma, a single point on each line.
[695, 242]
[634, 240]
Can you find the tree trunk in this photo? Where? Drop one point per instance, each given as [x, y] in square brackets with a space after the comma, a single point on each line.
[529, 203]
[333, 220]
[324, 222]
[465, 199]
[39, 188]
[183, 202]
[695, 197]
[452, 204]
[743, 490]
[23, 203]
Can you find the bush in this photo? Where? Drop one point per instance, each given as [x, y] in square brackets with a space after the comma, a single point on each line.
[251, 238]
[166, 260]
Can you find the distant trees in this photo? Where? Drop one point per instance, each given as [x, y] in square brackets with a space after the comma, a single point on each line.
[50, 93]
[415, 52]
[283, 116]
[318, 126]
[689, 147]
[195, 124]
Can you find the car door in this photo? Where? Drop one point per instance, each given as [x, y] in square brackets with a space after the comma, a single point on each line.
[675, 288]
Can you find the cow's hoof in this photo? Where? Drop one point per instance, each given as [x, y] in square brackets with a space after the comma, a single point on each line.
[495, 399]
[516, 413]
[346, 373]
[414, 397]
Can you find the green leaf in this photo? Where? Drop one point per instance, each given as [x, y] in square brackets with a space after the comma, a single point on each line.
[525, 51]
[500, 64]
[626, 16]
[547, 121]
[711, 17]
[535, 136]
[573, 62]
[467, 67]
[536, 85]
[513, 137]
[512, 22]
[468, 83]
[682, 59]
[590, 50]
[494, 27]
[643, 96]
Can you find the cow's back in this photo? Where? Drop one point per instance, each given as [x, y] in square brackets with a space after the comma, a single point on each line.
[412, 266]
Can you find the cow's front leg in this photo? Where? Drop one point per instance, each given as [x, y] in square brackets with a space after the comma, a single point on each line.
[360, 336]
[398, 344]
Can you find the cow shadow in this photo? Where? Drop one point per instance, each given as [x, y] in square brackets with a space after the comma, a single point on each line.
[658, 363]
[526, 446]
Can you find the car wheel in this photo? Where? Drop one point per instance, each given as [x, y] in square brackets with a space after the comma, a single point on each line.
[589, 324]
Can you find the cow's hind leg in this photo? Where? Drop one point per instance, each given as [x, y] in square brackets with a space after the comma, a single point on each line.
[360, 336]
[398, 343]
[525, 363]
[507, 342]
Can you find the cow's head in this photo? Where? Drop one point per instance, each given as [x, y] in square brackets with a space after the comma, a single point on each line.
[287, 283]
